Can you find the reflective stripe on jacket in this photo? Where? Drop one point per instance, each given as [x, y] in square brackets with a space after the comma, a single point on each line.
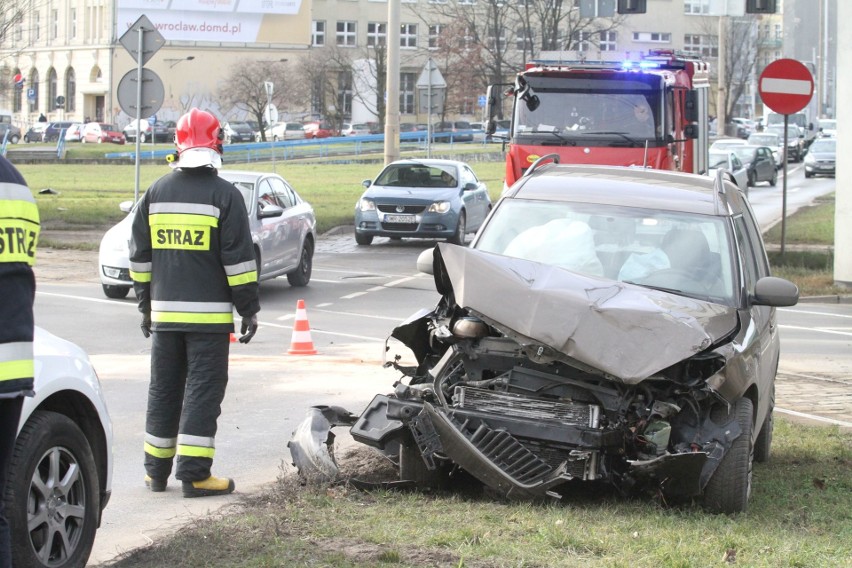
[191, 254]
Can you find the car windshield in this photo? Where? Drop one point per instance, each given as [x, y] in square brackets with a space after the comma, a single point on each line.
[418, 176]
[639, 246]
[246, 189]
[744, 153]
[718, 159]
[827, 146]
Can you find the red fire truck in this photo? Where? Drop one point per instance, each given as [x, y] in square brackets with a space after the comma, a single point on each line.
[651, 112]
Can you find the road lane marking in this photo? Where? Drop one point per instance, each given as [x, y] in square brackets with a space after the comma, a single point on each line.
[321, 332]
[84, 298]
[339, 313]
[817, 329]
[815, 417]
[354, 295]
[808, 312]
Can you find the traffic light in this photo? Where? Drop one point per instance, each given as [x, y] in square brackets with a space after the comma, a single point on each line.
[632, 6]
[760, 6]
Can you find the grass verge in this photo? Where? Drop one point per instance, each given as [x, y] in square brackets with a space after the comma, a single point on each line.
[800, 516]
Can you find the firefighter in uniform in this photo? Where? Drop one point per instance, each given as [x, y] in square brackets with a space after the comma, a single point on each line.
[192, 262]
[19, 228]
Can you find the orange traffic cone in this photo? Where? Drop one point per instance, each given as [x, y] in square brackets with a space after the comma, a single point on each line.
[301, 344]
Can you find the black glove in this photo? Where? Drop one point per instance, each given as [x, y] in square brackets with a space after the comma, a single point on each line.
[146, 325]
[249, 328]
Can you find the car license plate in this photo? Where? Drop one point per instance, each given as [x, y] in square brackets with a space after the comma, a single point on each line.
[400, 219]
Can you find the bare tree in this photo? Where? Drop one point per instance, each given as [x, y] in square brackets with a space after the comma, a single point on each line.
[741, 53]
[327, 83]
[14, 34]
[245, 87]
[368, 66]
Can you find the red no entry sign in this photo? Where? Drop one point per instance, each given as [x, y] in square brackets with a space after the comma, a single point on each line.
[786, 86]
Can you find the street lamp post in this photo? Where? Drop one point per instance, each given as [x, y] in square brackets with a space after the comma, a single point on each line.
[175, 61]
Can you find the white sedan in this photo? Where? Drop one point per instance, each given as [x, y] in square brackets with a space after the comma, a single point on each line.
[283, 229]
[61, 468]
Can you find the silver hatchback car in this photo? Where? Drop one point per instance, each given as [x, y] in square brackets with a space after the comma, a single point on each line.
[283, 229]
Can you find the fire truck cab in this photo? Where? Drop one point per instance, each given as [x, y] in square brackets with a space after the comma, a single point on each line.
[651, 112]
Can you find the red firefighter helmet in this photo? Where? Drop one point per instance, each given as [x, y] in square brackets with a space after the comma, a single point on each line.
[198, 138]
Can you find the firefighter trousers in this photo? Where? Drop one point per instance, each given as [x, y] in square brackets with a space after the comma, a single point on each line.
[189, 373]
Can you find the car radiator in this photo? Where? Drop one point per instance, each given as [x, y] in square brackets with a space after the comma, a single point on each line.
[526, 460]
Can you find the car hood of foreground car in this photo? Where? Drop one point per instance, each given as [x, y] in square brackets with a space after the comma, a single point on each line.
[624, 331]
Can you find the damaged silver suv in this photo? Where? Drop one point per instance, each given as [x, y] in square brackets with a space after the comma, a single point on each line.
[609, 325]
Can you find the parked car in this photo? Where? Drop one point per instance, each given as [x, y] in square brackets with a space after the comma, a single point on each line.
[9, 133]
[452, 131]
[728, 161]
[283, 131]
[609, 325]
[758, 162]
[357, 129]
[745, 127]
[60, 475]
[771, 141]
[283, 228]
[55, 130]
[74, 132]
[35, 133]
[100, 132]
[159, 132]
[422, 199]
[820, 158]
[319, 130]
[236, 132]
[795, 140]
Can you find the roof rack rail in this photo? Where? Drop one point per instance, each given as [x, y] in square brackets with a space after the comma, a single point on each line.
[540, 162]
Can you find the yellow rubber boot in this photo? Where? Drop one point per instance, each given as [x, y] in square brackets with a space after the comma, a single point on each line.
[155, 485]
[208, 487]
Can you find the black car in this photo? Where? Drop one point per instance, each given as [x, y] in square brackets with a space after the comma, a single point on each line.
[238, 132]
[758, 162]
[56, 130]
[607, 325]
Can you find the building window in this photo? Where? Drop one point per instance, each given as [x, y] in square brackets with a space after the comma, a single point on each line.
[318, 32]
[582, 41]
[524, 39]
[36, 31]
[608, 41]
[435, 36]
[407, 90]
[33, 84]
[344, 92]
[377, 33]
[72, 24]
[408, 35]
[70, 90]
[703, 45]
[466, 2]
[467, 39]
[696, 7]
[346, 34]
[51, 89]
[652, 37]
[54, 24]
[498, 43]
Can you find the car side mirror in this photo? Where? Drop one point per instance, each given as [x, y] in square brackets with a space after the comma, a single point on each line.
[126, 206]
[269, 210]
[367, 183]
[776, 292]
[425, 260]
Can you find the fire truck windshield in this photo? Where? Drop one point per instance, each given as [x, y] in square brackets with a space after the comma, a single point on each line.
[593, 112]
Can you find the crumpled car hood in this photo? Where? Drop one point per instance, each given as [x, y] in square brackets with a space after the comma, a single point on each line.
[626, 331]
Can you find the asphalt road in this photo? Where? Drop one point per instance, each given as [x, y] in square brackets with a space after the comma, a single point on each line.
[356, 296]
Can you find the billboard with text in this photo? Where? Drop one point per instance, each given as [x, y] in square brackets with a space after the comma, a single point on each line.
[232, 21]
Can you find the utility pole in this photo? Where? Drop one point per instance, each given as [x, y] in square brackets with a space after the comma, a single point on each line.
[721, 88]
[392, 85]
